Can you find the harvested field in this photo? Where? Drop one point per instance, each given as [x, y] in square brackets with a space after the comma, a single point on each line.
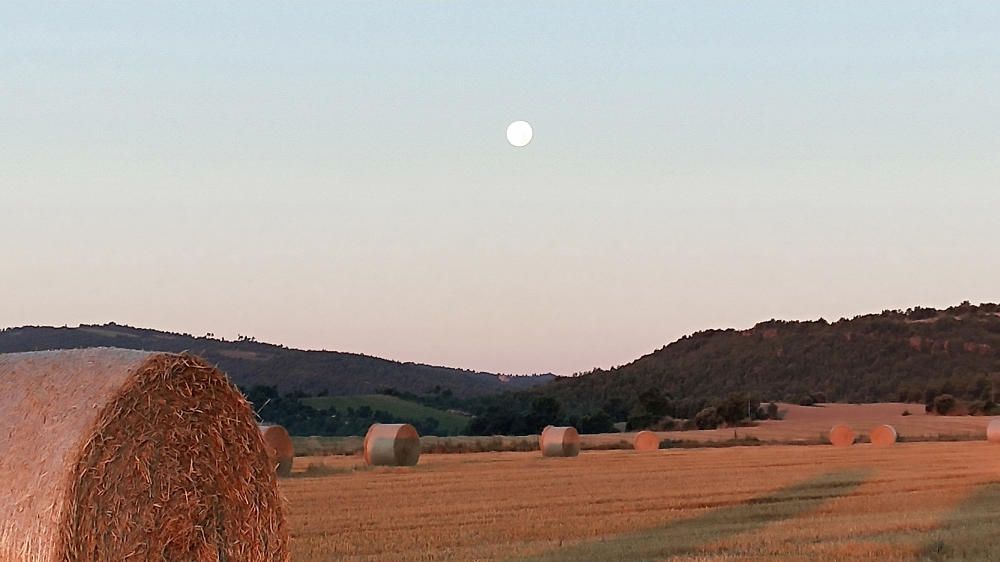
[913, 501]
[813, 423]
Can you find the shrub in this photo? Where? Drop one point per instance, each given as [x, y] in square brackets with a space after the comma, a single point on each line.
[708, 418]
[944, 404]
[772, 412]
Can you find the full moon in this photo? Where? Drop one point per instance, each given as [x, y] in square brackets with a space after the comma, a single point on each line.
[519, 133]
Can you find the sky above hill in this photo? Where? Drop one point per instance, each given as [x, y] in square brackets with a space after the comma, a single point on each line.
[335, 174]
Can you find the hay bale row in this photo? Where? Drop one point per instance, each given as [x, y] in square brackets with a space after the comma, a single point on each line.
[559, 442]
[279, 447]
[880, 436]
[125, 455]
[392, 444]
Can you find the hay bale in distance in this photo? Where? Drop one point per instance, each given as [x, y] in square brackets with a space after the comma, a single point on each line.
[646, 441]
[392, 444]
[842, 436]
[883, 436]
[559, 442]
[279, 445]
[126, 455]
[993, 431]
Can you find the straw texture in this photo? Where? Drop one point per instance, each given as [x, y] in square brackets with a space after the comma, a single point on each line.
[883, 436]
[842, 436]
[392, 444]
[559, 442]
[279, 446]
[646, 441]
[124, 455]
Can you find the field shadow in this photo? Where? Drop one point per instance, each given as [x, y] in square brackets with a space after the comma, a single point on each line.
[688, 535]
[969, 532]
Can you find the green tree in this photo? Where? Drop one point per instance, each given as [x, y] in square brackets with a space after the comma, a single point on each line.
[944, 404]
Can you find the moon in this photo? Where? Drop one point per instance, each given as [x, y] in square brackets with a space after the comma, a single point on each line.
[519, 133]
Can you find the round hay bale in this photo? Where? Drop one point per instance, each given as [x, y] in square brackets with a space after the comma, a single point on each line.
[392, 444]
[110, 454]
[993, 431]
[841, 436]
[559, 442]
[279, 445]
[883, 436]
[646, 441]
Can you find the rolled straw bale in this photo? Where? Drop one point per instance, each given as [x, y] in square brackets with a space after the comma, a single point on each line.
[993, 431]
[279, 445]
[126, 455]
[392, 444]
[646, 441]
[559, 442]
[842, 436]
[883, 436]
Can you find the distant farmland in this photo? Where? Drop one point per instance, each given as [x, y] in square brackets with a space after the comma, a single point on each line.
[451, 423]
[910, 502]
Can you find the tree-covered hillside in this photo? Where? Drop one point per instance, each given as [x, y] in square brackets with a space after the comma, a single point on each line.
[250, 363]
[894, 355]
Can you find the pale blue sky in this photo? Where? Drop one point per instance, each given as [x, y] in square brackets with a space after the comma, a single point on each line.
[335, 175]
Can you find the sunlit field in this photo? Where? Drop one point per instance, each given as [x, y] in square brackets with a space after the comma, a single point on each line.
[912, 501]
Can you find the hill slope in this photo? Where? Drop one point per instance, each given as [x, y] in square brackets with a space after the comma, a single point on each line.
[251, 363]
[895, 355]
[448, 423]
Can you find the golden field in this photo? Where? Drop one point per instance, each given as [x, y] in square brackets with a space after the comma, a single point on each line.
[911, 501]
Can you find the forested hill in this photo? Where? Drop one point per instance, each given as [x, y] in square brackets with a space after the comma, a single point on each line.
[895, 355]
[250, 363]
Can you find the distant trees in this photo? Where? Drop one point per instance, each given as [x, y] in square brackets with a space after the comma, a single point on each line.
[893, 356]
[772, 412]
[736, 408]
[599, 422]
[300, 418]
[708, 418]
[944, 404]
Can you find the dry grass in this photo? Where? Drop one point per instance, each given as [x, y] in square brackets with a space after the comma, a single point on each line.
[914, 501]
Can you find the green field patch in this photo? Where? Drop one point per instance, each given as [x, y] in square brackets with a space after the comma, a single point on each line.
[969, 532]
[450, 423]
[688, 535]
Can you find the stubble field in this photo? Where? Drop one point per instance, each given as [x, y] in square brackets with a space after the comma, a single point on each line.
[912, 501]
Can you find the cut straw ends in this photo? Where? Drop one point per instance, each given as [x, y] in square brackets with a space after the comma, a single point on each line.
[279, 445]
[883, 436]
[559, 442]
[646, 441]
[841, 436]
[392, 444]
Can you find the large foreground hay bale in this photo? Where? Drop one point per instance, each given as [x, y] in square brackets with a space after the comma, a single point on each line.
[110, 454]
[646, 441]
[279, 445]
[993, 431]
[841, 436]
[559, 442]
[392, 444]
[883, 436]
